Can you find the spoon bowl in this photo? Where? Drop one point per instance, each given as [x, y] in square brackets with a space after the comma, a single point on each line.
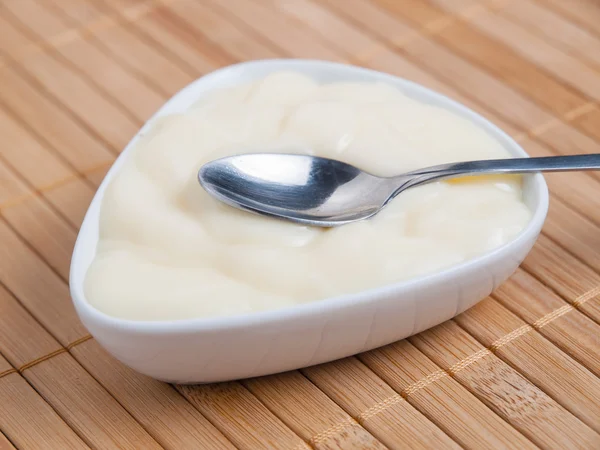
[302, 188]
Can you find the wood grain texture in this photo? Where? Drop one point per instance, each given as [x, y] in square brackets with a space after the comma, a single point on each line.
[57, 77]
[99, 61]
[520, 31]
[38, 288]
[444, 401]
[28, 421]
[556, 29]
[467, 39]
[580, 235]
[69, 389]
[366, 397]
[214, 27]
[5, 444]
[336, 32]
[78, 77]
[162, 29]
[73, 197]
[310, 413]
[91, 411]
[188, 49]
[28, 156]
[163, 412]
[128, 50]
[266, 23]
[44, 229]
[584, 12]
[534, 357]
[422, 51]
[66, 135]
[187, 425]
[84, 14]
[241, 416]
[22, 339]
[505, 390]
[574, 333]
[589, 121]
[471, 81]
[564, 273]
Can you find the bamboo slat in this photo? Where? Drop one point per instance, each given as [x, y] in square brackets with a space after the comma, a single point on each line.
[581, 11]
[310, 413]
[12, 187]
[421, 49]
[45, 230]
[340, 35]
[117, 126]
[94, 64]
[534, 357]
[45, 27]
[234, 41]
[27, 155]
[47, 297]
[261, 20]
[442, 399]
[128, 50]
[22, 339]
[556, 29]
[49, 123]
[72, 197]
[87, 407]
[241, 417]
[27, 420]
[66, 386]
[77, 79]
[514, 70]
[589, 122]
[56, 76]
[117, 381]
[5, 444]
[376, 406]
[574, 333]
[577, 197]
[195, 53]
[504, 390]
[564, 273]
[164, 413]
[82, 12]
[580, 237]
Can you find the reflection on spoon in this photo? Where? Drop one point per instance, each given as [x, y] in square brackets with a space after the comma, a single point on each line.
[326, 193]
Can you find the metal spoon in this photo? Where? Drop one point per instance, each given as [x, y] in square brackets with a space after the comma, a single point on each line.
[327, 193]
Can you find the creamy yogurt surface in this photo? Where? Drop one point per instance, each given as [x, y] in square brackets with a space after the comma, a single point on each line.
[170, 251]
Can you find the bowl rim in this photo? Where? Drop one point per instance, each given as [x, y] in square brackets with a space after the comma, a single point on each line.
[90, 314]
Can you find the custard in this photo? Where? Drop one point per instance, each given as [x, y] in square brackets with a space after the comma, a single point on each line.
[170, 251]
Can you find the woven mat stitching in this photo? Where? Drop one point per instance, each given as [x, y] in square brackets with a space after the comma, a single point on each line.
[407, 391]
[455, 368]
[20, 199]
[57, 352]
[432, 28]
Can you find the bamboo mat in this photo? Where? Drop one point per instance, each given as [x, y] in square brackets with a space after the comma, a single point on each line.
[519, 370]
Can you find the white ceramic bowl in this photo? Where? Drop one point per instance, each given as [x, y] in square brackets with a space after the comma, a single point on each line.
[225, 348]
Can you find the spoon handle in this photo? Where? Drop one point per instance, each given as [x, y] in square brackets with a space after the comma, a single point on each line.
[503, 166]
